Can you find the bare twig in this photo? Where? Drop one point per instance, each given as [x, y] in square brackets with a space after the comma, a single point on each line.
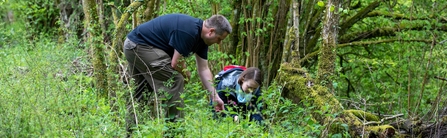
[383, 120]
[441, 78]
[427, 68]
[443, 41]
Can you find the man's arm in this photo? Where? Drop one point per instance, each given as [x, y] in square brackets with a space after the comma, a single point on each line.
[207, 80]
[205, 75]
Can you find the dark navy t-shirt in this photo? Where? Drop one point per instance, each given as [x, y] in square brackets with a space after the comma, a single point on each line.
[172, 31]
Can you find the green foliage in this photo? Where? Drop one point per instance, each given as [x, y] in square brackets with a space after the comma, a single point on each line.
[12, 30]
[47, 92]
[43, 96]
[320, 3]
[397, 76]
[40, 16]
[289, 117]
[8, 33]
[47, 87]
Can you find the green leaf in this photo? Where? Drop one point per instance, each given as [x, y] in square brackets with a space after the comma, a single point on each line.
[320, 3]
[336, 136]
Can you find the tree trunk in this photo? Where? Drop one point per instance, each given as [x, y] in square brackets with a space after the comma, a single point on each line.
[115, 52]
[231, 49]
[102, 22]
[277, 34]
[291, 52]
[326, 62]
[94, 40]
[65, 10]
[149, 12]
[298, 86]
[252, 12]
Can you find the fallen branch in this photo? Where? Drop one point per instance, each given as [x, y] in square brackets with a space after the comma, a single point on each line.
[444, 79]
[383, 120]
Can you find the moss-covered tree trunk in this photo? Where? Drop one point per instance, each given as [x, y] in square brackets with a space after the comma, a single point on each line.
[295, 53]
[115, 52]
[298, 86]
[94, 41]
[326, 62]
[149, 12]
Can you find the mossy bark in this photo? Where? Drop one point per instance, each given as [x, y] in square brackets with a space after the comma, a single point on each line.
[326, 62]
[94, 41]
[149, 12]
[114, 70]
[362, 115]
[299, 86]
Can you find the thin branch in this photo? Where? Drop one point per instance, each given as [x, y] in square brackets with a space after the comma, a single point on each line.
[358, 17]
[383, 120]
[392, 78]
[364, 43]
[427, 68]
[440, 78]
[114, 14]
[443, 41]
[387, 31]
[393, 15]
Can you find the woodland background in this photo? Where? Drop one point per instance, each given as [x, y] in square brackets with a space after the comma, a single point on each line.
[333, 68]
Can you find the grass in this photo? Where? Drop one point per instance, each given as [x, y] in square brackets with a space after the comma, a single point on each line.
[46, 91]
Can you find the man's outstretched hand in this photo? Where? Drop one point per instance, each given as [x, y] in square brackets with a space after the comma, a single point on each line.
[218, 104]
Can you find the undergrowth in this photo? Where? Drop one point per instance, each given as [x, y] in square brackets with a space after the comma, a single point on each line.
[47, 91]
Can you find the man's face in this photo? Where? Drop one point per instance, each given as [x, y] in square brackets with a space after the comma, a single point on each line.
[211, 37]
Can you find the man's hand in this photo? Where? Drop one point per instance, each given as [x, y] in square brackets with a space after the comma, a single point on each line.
[218, 103]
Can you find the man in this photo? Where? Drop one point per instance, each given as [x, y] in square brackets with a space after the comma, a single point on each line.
[154, 49]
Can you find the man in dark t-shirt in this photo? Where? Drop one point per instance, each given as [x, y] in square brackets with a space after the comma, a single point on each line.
[154, 49]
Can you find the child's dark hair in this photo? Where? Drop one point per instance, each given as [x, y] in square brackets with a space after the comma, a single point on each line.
[251, 73]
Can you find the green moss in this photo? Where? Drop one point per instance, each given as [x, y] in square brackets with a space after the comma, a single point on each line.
[326, 105]
[380, 128]
[362, 115]
[383, 131]
[295, 83]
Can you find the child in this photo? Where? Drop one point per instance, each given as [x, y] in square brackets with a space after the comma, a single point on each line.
[239, 88]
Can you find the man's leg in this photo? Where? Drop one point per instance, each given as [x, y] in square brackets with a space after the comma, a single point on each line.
[155, 65]
[141, 95]
[137, 99]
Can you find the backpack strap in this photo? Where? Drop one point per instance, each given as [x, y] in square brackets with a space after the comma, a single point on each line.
[233, 66]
